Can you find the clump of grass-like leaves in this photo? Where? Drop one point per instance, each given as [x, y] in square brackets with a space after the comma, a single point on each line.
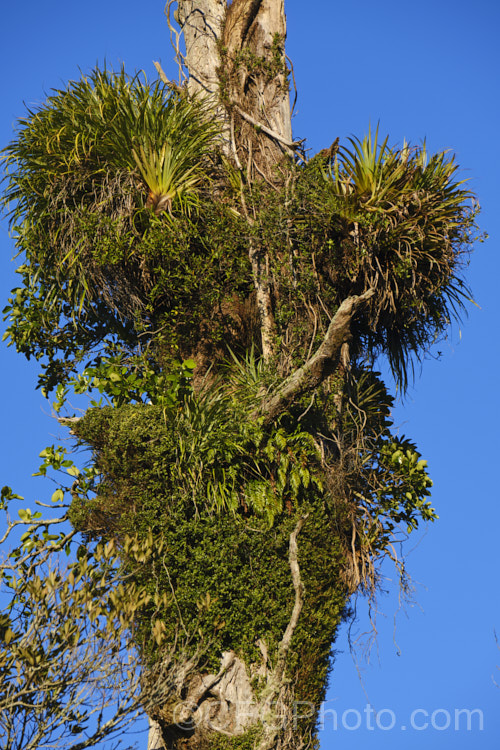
[107, 123]
[408, 227]
[84, 168]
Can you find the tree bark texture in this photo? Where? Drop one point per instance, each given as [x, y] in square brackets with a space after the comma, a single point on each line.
[195, 709]
[201, 22]
[254, 77]
[155, 736]
[236, 53]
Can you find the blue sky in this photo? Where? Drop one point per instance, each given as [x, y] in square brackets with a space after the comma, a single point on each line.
[428, 70]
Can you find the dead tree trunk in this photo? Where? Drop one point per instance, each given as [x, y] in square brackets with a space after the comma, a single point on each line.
[254, 84]
[201, 23]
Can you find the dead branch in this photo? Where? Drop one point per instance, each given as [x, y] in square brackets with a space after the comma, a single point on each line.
[298, 586]
[277, 688]
[323, 363]
[292, 145]
[261, 283]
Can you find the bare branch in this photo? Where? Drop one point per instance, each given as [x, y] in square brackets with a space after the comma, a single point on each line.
[322, 364]
[261, 283]
[32, 524]
[292, 145]
[277, 687]
[298, 586]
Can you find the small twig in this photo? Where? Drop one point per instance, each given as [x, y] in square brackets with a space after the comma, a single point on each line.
[174, 34]
[294, 84]
[233, 144]
[266, 179]
[249, 162]
[175, 599]
[309, 407]
[313, 333]
[163, 78]
[276, 681]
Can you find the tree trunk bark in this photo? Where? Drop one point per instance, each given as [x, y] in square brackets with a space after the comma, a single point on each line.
[254, 84]
[236, 53]
[155, 737]
[201, 22]
[242, 705]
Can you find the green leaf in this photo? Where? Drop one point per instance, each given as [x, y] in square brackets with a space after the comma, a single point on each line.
[58, 496]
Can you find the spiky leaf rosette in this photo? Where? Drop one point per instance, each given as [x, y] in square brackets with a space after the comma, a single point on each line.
[372, 217]
[81, 175]
[85, 136]
[410, 225]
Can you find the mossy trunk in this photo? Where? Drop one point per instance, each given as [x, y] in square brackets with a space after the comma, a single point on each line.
[258, 678]
[243, 607]
[256, 611]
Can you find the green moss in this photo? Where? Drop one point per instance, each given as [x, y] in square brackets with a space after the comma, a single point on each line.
[227, 574]
[246, 741]
[220, 495]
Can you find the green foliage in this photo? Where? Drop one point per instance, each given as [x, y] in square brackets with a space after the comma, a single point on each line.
[78, 206]
[65, 638]
[384, 471]
[124, 380]
[6, 495]
[220, 495]
[102, 126]
[371, 172]
[246, 741]
[412, 223]
[100, 268]
[139, 244]
[393, 220]
[226, 574]
[204, 449]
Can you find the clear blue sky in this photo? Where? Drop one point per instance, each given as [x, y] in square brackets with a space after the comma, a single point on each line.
[429, 69]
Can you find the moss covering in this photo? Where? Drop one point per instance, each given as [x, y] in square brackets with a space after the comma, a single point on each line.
[227, 575]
